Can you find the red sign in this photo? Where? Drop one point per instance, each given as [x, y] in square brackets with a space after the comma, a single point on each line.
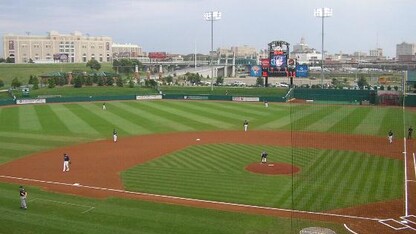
[157, 55]
[265, 63]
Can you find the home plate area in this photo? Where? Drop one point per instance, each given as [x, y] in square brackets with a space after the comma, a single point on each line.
[404, 222]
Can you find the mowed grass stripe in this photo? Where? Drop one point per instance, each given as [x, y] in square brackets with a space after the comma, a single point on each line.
[127, 119]
[29, 136]
[119, 120]
[28, 119]
[51, 124]
[73, 122]
[24, 147]
[309, 118]
[284, 121]
[330, 119]
[350, 121]
[200, 108]
[393, 119]
[246, 109]
[104, 127]
[7, 155]
[368, 125]
[181, 117]
[9, 119]
[181, 108]
[155, 122]
[233, 111]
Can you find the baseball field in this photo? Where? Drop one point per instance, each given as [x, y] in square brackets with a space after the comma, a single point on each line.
[187, 167]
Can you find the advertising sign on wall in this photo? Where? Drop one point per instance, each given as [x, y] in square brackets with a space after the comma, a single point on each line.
[255, 71]
[302, 70]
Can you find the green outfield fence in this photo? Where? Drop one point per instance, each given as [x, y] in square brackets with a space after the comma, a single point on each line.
[328, 96]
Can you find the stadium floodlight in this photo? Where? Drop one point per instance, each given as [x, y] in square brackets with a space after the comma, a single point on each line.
[322, 13]
[212, 16]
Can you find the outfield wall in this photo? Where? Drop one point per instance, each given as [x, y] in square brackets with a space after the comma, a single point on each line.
[338, 96]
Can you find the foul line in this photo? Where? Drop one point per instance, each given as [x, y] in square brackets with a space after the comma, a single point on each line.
[65, 203]
[191, 199]
[349, 229]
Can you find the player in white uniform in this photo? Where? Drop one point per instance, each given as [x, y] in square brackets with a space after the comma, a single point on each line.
[115, 135]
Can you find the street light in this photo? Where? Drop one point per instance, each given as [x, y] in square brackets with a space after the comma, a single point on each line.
[212, 16]
[322, 13]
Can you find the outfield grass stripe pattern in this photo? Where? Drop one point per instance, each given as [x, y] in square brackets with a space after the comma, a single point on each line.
[28, 120]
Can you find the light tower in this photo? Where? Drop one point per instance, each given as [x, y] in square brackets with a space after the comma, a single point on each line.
[212, 16]
[322, 13]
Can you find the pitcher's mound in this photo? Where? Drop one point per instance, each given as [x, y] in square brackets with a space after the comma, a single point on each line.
[273, 168]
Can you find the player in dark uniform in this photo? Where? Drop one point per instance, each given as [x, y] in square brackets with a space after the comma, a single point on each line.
[67, 161]
[23, 195]
[390, 136]
[245, 124]
[115, 135]
[409, 133]
[264, 157]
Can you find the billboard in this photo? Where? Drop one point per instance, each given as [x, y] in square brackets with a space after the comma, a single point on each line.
[278, 65]
[255, 71]
[302, 70]
[157, 55]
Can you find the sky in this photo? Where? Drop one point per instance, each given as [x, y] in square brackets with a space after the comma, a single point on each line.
[178, 26]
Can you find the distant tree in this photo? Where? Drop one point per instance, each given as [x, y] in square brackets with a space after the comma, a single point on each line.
[94, 64]
[35, 82]
[100, 81]
[126, 66]
[16, 83]
[260, 81]
[78, 82]
[2, 60]
[88, 81]
[362, 82]
[382, 87]
[1, 83]
[220, 80]
[119, 81]
[9, 60]
[109, 81]
[51, 83]
[169, 79]
[31, 61]
[131, 83]
[150, 83]
[396, 88]
[193, 78]
[389, 87]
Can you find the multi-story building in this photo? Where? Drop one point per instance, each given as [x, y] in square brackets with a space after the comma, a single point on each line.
[244, 51]
[72, 48]
[126, 51]
[304, 54]
[406, 52]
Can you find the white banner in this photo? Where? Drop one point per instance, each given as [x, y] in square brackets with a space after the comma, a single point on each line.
[30, 101]
[246, 99]
[149, 97]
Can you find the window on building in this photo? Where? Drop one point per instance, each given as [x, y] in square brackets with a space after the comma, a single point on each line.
[108, 57]
[101, 57]
[92, 56]
[84, 57]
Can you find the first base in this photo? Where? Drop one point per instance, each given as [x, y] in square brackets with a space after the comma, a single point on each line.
[270, 165]
[197, 139]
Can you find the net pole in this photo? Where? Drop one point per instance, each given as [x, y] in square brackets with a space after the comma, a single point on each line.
[406, 201]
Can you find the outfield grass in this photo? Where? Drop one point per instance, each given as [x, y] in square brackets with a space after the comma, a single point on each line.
[81, 122]
[57, 213]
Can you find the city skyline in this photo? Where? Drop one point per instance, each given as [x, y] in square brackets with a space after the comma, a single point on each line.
[179, 26]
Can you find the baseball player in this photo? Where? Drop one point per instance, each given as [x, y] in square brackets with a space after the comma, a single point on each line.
[23, 196]
[266, 103]
[390, 136]
[115, 135]
[409, 133]
[264, 157]
[67, 161]
[104, 107]
[245, 124]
